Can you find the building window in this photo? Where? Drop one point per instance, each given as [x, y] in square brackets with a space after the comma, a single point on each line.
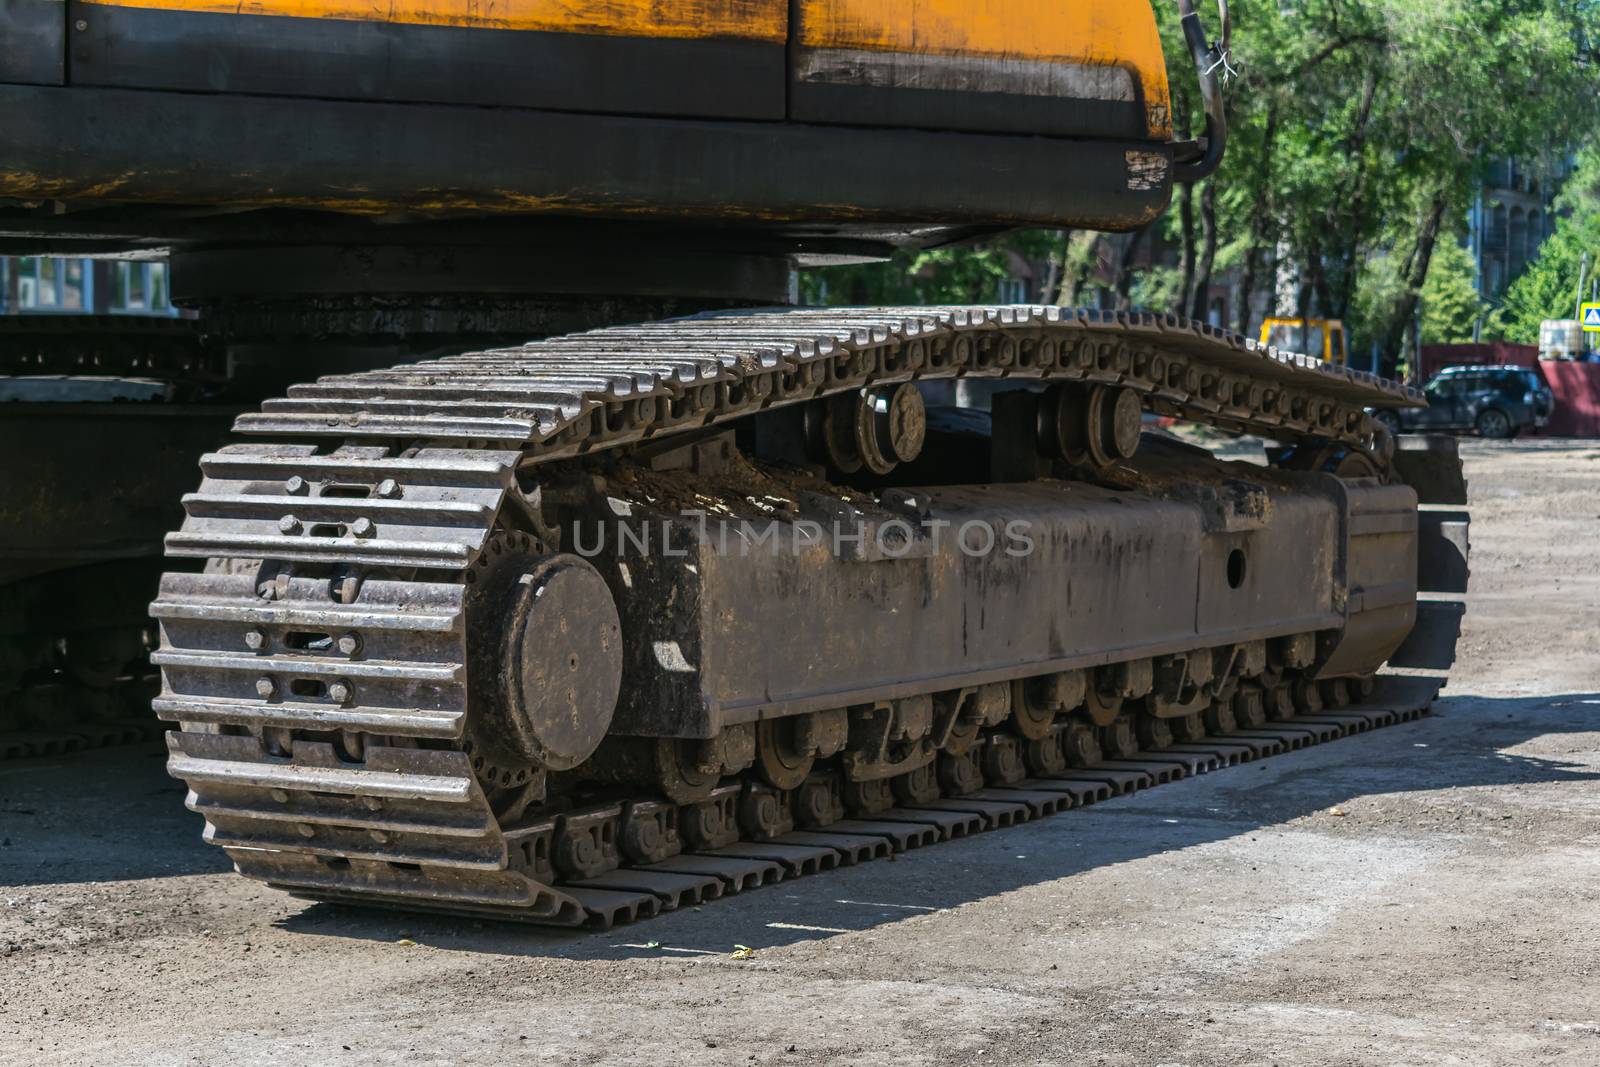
[1012, 291]
[1517, 252]
[46, 284]
[139, 288]
[1497, 229]
[1217, 312]
[35, 285]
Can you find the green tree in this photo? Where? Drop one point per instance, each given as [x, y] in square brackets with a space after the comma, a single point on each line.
[958, 274]
[1548, 288]
[1360, 131]
[1451, 306]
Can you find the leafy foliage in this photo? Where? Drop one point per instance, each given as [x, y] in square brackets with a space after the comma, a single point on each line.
[1360, 131]
[1548, 289]
[1451, 307]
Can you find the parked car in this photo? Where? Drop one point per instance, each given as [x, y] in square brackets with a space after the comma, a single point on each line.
[1493, 401]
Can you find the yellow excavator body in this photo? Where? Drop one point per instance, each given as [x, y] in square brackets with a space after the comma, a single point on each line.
[1322, 338]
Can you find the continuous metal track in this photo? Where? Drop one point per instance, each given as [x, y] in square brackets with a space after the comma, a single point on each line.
[49, 713]
[334, 767]
[460, 881]
[76, 737]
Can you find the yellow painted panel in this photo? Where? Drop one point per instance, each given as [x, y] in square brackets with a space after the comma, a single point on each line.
[1111, 32]
[760, 20]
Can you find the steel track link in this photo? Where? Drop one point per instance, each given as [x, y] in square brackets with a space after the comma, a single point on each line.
[75, 737]
[634, 892]
[320, 696]
[54, 717]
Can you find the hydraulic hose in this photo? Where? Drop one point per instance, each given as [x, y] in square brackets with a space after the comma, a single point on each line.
[1197, 160]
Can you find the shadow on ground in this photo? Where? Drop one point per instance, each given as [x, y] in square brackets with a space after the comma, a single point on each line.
[113, 816]
[101, 816]
[1461, 745]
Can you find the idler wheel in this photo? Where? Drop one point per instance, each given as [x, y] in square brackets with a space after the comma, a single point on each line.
[1219, 719]
[831, 432]
[545, 660]
[1121, 422]
[1119, 740]
[1063, 424]
[97, 658]
[1280, 702]
[1307, 696]
[1250, 707]
[1080, 746]
[784, 751]
[959, 775]
[962, 737]
[891, 426]
[1155, 733]
[1030, 716]
[1335, 693]
[1102, 704]
[1113, 424]
[919, 786]
[686, 770]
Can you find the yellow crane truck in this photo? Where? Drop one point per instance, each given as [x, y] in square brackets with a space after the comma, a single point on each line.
[556, 565]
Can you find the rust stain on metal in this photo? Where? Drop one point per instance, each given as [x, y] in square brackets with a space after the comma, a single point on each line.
[762, 20]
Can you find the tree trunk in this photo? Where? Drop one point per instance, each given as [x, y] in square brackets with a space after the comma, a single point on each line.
[1125, 268]
[1302, 311]
[1247, 283]
[1057, 263]
[1186, 232]
[1259, 215]
[1075, 274]
[1412, 275]
[1317, 274]
[1337, 305]
[1199, 289]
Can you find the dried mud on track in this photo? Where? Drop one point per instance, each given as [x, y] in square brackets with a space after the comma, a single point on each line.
[1421, 894]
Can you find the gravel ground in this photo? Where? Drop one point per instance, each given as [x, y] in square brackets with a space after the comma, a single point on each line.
[1423, 894]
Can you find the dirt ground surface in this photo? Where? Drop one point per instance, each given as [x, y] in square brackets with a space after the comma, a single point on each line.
[1422, 894]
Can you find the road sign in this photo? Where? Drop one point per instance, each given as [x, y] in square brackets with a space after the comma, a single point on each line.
[1589, 315]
